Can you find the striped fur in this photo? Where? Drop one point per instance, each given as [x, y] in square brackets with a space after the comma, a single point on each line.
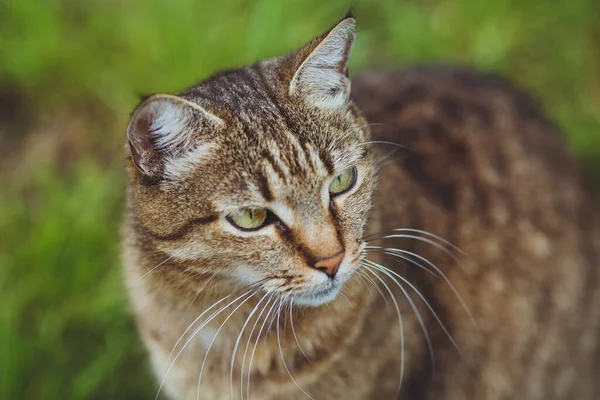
[482, 167]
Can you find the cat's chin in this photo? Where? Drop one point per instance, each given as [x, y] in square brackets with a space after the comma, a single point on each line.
[318, 297]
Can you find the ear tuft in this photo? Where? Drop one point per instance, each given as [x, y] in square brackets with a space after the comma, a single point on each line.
[322, 78]
[164, 129]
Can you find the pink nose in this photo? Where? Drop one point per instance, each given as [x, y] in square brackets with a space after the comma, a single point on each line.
[330, 265]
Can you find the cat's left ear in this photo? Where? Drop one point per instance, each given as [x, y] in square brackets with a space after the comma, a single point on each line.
[321, 79]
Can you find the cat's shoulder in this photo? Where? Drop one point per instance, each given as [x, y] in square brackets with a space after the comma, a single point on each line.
[458, 110]
[456, 92]
[463, 128]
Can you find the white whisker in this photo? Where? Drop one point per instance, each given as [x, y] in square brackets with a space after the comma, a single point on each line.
[386, 142]
[412, 305]
[237, 342]
[425, 240]
[248, 345]
[374, 284]
[192, 324]
[294, 330]
[380, 163]
[439, 321]
[439, 271]
[439, 238]
[175, 254]
[192, 336]
[254, 349]
[281, 302]
[431, 242]
[376, 250]
[399, 324]
[269, 330]
[363, 282]
[346, 297]
[371, 124]
[215, 337]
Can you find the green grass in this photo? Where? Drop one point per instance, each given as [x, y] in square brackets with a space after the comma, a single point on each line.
[65, 332]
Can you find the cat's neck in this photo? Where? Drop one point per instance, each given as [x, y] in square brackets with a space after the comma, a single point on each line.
[237, 314]
[316, 325]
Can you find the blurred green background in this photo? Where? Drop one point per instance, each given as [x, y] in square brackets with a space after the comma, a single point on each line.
[70, 73]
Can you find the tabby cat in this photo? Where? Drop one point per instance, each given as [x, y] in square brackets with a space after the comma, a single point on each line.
[425, 237]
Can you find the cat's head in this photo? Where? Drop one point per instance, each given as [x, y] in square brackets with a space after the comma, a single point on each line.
[260, 174]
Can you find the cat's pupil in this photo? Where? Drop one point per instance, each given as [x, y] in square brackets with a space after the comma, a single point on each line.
[343, 182]
[248, 218]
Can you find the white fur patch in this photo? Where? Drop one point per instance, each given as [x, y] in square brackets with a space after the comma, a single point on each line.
[285, 213]
[171, 131]
[319, 79]
[177, 167]
[193, 249]
[206, 337]
[169, 126]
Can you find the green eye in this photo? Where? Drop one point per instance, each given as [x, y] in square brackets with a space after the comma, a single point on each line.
[343, 182]
[248, 219]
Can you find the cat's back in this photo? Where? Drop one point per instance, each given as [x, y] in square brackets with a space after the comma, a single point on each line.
[483, 167]
[474, 145]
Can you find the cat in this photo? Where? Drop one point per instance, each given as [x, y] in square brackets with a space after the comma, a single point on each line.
[425, 235]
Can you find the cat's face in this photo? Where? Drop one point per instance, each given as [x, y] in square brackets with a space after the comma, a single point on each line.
[260, 174]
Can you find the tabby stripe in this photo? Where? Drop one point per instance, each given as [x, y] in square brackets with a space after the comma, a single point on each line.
[274, 100]
[181, 232]
[336, 223]
[309, 159]
[296, 169]
[327, 161]
[290, 156]
[267, 156]
[264, 187]
[301, 147]
[268, 91]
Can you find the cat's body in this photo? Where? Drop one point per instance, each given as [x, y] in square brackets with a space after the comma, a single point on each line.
[482, 168]
[486, 170]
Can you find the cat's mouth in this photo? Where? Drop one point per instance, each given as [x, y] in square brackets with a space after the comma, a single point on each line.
[327, 291]
[319, 295]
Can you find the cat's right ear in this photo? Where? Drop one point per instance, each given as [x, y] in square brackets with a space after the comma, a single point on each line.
[321, 79]
[166, 135]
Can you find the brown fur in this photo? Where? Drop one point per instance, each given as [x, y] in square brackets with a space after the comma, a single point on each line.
[482, 168]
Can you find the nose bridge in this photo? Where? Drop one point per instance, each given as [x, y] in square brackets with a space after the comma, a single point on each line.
[320, 237]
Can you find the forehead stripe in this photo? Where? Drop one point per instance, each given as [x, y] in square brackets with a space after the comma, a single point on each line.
[308, 153]
[299, 147]
[326, 160]
[267, 156]
[264, 187]
[309, 160]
